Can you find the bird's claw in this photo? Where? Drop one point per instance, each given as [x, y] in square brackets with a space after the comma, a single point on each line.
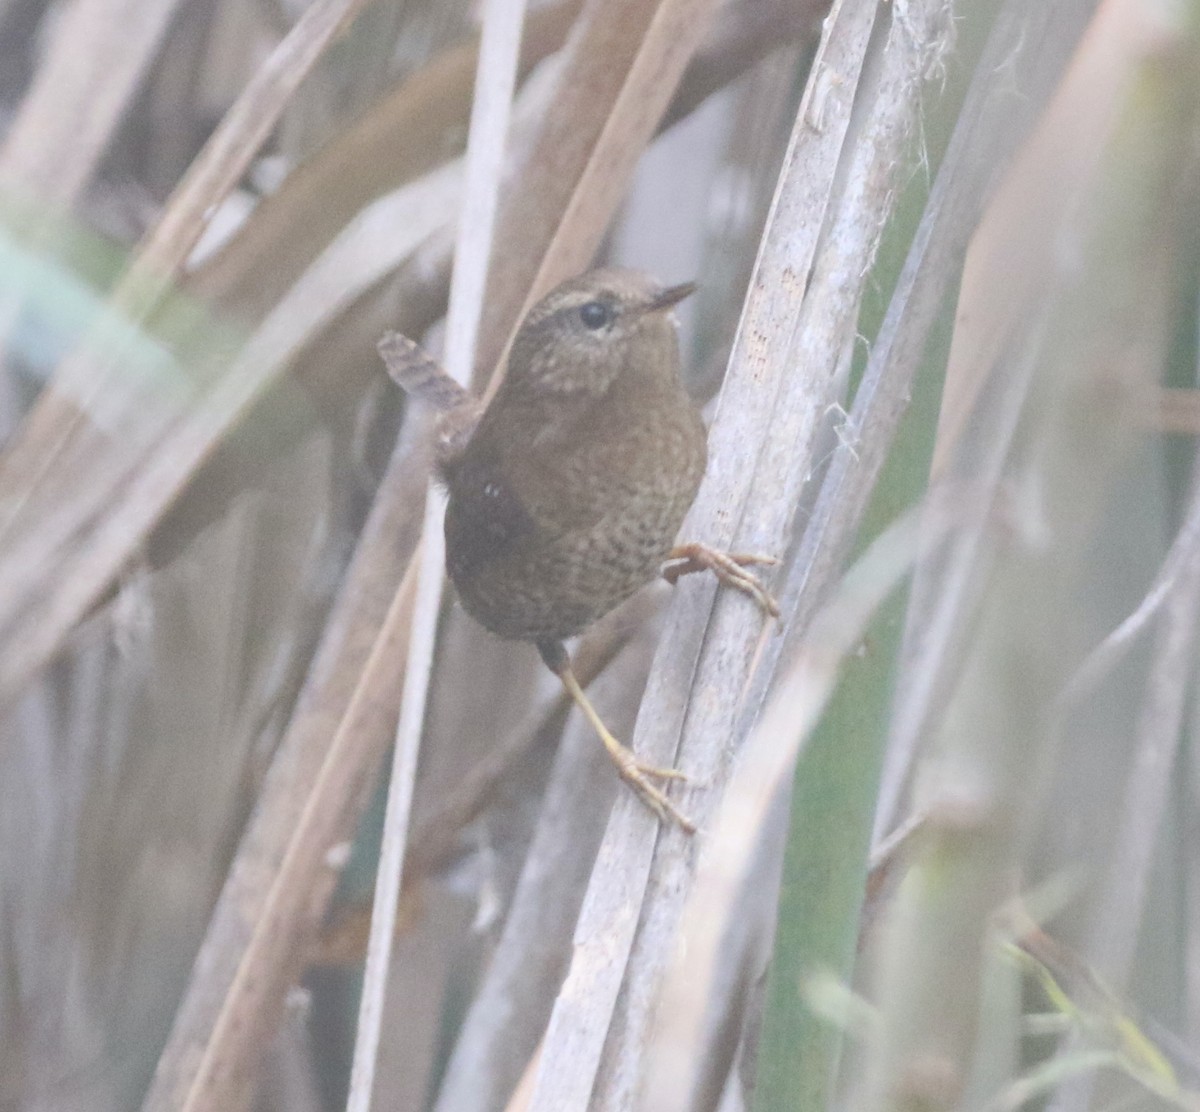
[638, 776]
[728, 567]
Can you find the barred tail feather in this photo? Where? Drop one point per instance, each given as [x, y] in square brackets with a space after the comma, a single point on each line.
[419, 375]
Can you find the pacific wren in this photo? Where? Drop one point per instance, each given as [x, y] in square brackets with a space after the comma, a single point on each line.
[566, 493]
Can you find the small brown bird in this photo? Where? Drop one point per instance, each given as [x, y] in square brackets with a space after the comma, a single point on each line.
[566, 493]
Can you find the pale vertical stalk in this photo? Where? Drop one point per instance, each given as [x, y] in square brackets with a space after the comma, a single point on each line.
[495, 81]
[399, 806]
[499, 48]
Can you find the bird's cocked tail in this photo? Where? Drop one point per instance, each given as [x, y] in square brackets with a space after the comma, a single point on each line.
[423, 378]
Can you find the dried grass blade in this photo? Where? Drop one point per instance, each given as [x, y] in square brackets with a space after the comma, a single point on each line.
[162, 254]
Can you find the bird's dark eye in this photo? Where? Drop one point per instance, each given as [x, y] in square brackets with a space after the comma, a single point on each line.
[595, 314]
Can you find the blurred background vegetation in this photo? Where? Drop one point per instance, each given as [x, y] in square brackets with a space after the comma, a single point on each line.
[950, 806]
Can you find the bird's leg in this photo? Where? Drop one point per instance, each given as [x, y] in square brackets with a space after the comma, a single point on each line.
[729, 568]
[636, 774]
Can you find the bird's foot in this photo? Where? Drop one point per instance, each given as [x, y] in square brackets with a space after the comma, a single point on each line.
[728, 567]
[634, 772]
[639, 776]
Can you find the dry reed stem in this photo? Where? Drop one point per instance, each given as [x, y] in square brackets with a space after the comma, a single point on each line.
[765, 768]
[609, 920]
[421, 619]
[491, 110]
[989, 126]
[917, 39]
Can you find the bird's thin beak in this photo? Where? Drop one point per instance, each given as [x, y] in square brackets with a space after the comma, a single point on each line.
[673, 295]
